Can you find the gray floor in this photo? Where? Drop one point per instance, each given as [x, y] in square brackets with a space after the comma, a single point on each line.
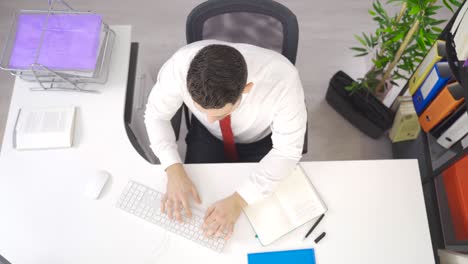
[326, 33]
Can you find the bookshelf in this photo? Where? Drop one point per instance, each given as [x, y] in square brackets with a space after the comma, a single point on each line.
[433, 160]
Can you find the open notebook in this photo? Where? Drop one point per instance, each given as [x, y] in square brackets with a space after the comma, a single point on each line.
[44, 128]
[294, 203]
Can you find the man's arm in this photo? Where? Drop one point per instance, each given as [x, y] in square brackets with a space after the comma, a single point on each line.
[288, 129]
[164, 101]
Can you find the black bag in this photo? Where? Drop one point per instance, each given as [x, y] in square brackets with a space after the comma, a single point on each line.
[361, 108]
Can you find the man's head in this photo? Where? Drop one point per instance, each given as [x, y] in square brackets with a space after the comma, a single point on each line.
[216, 79]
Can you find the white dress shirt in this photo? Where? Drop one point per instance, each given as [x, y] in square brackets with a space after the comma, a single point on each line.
[274, 105]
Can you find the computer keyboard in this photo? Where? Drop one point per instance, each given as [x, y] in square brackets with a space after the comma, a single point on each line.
[144, 202]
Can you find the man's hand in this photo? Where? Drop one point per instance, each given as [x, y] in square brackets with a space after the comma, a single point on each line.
[179, 188]
[221, 216]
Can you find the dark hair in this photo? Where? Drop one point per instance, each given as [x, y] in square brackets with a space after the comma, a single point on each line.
[216, 76]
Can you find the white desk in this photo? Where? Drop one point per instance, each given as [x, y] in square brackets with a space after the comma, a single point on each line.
[376, 215]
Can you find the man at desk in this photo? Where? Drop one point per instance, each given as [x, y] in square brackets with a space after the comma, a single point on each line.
[248, 106]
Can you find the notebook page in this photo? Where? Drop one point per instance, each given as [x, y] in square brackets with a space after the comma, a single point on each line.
[298, 198]
[268, 219]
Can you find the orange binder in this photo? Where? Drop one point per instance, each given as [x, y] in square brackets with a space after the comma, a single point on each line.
[456, 187]
[444, 104]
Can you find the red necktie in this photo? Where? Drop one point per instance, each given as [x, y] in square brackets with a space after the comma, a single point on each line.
[228, 139]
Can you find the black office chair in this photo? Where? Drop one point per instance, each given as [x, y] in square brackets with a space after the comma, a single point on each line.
[263, 23]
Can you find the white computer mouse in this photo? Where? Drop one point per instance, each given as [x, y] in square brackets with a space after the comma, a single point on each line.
[96, 183]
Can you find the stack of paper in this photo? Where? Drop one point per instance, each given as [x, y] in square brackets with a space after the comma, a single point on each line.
[44, 128]
[406, 125]
[57, 41]
[460, 32]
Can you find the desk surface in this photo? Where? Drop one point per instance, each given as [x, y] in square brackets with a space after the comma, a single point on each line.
[376, 209]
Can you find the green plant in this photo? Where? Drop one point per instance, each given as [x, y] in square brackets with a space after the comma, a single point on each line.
[400, 42]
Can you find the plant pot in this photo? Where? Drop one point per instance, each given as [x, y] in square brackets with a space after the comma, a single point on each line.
[361, 108]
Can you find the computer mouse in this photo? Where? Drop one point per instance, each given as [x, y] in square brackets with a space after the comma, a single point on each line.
[96, 183]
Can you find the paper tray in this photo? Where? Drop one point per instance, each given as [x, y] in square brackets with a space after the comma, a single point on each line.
[45, 75]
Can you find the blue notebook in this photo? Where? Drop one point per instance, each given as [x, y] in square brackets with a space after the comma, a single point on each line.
[430, 88]
[300, 256]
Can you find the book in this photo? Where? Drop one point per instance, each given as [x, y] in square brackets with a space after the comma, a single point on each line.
[299, 256]
[435, 54]
[44, 128]
[69, 42]
[443, 105]
[439, 76]
[405, 125]
[294, 203]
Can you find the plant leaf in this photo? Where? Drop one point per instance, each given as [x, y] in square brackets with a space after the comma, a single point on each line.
[368, 41]
[434, 8]
[455, 3]
[414, 10]
[421, 44]
[394, 83]
[449, 7]
[359, 49]
[360, 40]
[437, 22]
[399, 36]
[361, 54]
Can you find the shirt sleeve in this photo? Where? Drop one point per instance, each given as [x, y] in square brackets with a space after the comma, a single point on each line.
[288, 130]
[163, 102]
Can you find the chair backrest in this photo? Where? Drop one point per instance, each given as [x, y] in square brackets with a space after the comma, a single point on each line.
[263, 23]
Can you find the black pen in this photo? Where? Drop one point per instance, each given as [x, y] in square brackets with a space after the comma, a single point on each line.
[320, 237]
[314, 226]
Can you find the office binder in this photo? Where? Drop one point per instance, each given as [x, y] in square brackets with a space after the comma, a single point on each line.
[437, 131]
[456, 132]
[435, 54]
[456, 187]
[435, 81]
[445, 103]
